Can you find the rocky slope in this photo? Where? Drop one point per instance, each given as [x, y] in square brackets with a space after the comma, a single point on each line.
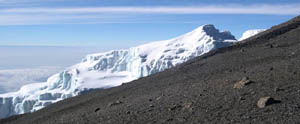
[253, 81]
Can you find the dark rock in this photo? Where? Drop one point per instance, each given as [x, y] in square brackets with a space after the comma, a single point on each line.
[278, 89]
[212, 31]
[97, 109]
[151, 106]
[241, 98]
[150, 110]
[174, 107]
[170, 119]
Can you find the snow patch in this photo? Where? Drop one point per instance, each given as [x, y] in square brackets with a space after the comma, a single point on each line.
[249, 33]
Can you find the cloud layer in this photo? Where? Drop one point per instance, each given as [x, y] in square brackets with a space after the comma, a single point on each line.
[15, 16]
[13, 79]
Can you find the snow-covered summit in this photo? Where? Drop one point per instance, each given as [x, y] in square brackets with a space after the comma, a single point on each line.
[250, 33]
[110, 69]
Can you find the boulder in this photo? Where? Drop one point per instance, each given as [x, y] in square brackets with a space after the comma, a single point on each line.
[265, 101]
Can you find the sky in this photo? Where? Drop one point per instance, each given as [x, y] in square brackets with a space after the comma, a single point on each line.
[117, 24]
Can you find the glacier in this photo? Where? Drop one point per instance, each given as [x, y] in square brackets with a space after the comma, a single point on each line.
[113, 68]
[249, 33]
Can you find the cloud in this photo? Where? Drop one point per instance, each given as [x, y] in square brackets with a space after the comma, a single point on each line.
[26, 1]
[13, 16]
[217, 9]
[13, 79]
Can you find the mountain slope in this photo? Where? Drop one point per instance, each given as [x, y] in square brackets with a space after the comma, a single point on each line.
[110, 69]
[200, 90]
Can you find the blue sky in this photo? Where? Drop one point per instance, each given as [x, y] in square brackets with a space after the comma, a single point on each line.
[115, 24]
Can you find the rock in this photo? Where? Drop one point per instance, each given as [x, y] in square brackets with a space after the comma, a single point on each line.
[241, 98]
[174, 107]
[150, 110]
[187, 106]
[265, 101]
[115, 103]
[170, 119]
[97, 109]
[158, 98]
[293, 53]
[245, 81]
[118, 102]
[245, 78]
[276, 89]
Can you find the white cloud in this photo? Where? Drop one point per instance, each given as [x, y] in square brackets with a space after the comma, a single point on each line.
[210, 9]
[115, 14]
[25, 1]
[13, 79]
